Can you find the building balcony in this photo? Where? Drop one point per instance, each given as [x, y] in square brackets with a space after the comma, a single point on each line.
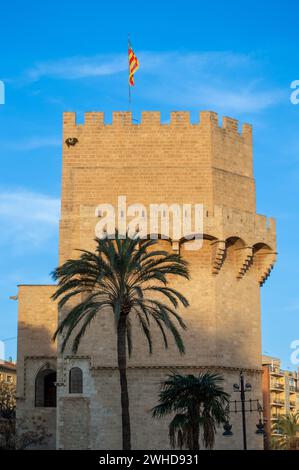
[276, 371]
[276, 433]
[277, 402]
[292, 404]
[276, 416]
[292, 389]
[276, 386]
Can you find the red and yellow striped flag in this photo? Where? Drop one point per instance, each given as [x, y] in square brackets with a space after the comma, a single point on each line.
[133, 65]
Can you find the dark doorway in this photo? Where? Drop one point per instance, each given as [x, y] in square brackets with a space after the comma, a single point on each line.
[45, 389]
[50, 390]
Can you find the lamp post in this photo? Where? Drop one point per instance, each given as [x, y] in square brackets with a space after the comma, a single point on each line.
[242, 388]
[242, 396]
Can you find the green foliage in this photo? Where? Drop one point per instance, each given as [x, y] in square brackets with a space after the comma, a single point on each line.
[287, 429]
[30, 432]
[122, 275]
[199, 404]
[7, 400]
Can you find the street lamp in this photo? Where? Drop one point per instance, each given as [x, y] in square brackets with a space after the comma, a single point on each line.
[242, 388]
[227, 429]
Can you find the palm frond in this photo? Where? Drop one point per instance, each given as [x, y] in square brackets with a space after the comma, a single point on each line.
[118, 277]
[180, 429]
[202, 402]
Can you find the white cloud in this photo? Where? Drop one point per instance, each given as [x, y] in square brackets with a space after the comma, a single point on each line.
[292, 305]
[157, 63]
[28, 219]
[78, 67]
[221, 81]
[226, 98]
[33, 143]
[224, 81]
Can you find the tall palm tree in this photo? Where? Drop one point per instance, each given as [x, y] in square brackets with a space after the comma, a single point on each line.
[287, 428]
[121, 276]
[199, 403]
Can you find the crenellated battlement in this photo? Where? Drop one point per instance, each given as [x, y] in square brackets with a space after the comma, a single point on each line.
[178, 119]
[209, 161]
[224, 222]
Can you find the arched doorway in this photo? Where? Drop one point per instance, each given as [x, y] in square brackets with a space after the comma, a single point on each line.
[45, 389]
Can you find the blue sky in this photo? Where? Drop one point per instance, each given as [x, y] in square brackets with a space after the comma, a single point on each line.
[71, 56]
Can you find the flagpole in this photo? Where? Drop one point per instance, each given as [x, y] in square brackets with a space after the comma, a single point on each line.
[129, 44]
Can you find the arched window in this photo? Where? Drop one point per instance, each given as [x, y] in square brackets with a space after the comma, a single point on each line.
[45, 390]
[76, 380]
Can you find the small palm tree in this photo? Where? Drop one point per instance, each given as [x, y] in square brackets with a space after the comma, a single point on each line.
[287, 428]
[199, 403]
[120, 276]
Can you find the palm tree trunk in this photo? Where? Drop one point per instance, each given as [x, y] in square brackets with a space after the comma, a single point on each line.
[122, 365]
[192, 411]
[195, 433]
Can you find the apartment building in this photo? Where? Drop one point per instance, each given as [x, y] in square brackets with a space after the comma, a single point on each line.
[280, 393]
[8, 372]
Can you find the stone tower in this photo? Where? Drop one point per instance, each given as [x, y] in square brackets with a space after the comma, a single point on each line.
[153, 163]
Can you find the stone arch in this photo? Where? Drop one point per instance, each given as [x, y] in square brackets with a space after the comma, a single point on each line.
[263, 259]
[76, 380]
[202, 237]
[175, 244]
[205, 236]
[261, 246]
[45, 388]
[238, 255]
[235, 242]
